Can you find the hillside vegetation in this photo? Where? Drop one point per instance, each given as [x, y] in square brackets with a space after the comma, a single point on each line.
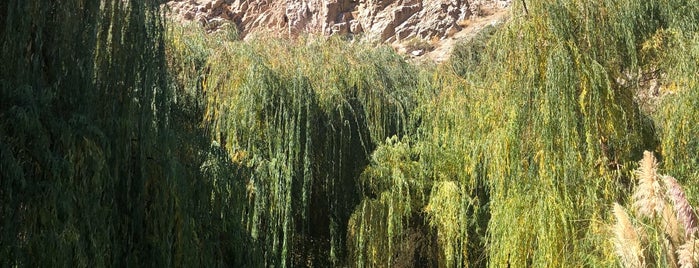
[130, 140]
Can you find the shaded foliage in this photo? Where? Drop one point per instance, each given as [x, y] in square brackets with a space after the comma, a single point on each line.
[100, 167]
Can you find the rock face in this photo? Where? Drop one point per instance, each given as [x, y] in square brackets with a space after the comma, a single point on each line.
[376, 20]
[396, 20]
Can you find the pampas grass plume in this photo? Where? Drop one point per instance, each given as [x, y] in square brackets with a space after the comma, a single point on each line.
[685, 213]
[648, 197]
[688, 254]
[673, 227]
[627, 242]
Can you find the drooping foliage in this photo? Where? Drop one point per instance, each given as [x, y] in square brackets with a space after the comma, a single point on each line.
[129, 140]
[305, 120]
[100, 152]
[82, 121]
[384, 230]
[676, 114]
[546, 125]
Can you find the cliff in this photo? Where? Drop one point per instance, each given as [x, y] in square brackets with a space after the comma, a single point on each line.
[375, 20]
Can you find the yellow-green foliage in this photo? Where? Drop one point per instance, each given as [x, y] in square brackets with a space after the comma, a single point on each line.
[305, 116]
[521, 149]
[379, 231]
[125, 142]
[676, 115]
[444, 209]
[544, 122]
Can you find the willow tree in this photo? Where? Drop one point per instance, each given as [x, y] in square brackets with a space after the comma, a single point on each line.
[569, 130]
[91, 171]
[84, 105]
[520, 147]
[675, 52]
[304, 117]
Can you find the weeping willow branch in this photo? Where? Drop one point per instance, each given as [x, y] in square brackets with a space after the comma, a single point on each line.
[526, 10]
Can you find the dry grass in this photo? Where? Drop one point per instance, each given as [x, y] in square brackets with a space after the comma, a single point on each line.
[419, 44]
[648, 198]
[627, 242]
[672, 227]
[671, 241]
[688, 254]
[465, 23]
[685, 213]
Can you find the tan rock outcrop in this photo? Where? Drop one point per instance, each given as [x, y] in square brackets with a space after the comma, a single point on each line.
[376, 20]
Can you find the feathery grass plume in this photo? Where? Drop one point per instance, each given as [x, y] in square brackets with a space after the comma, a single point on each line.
[688, 253]
[670, 256]
[672, 228]
[648, 197]
[627, 242]
[685, 213]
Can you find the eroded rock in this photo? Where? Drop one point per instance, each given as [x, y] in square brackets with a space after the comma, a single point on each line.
[378, 20]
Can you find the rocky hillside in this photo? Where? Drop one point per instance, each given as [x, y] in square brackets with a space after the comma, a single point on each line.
[389, 21]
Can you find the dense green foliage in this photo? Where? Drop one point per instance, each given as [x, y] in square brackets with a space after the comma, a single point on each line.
[127, 141]
[86, 170]
[304, 120]
[100, 156]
